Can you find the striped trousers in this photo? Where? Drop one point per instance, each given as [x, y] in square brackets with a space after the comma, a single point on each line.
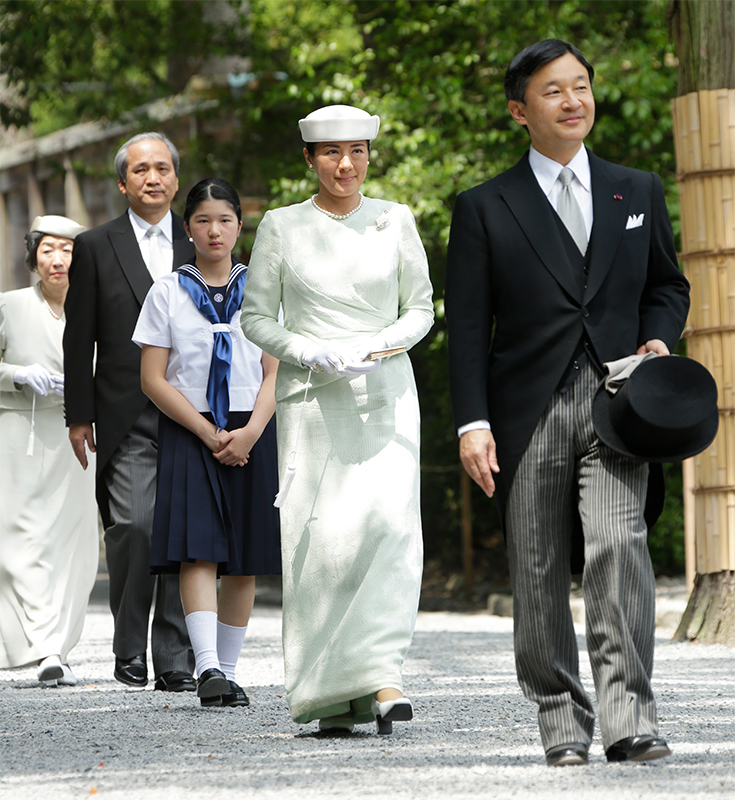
[566, 468]
[130, 480]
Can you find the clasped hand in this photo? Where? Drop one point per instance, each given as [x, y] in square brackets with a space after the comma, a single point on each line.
[231, 448]
[39, 379]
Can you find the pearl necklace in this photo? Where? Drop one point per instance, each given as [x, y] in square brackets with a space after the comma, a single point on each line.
[46, 303]
[50, 310]
[337, 216]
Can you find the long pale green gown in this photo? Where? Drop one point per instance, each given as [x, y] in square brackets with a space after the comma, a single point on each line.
[350, 525]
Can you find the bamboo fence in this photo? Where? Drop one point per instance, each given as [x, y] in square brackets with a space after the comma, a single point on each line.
[704, 136]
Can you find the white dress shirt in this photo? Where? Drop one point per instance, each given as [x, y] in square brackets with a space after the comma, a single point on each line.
[546, 171]
[547, 174]
[165, 240]
[170, 319]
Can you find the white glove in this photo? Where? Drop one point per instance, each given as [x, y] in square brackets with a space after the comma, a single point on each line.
[359, 367]
[324, 355]
[36, 376]
[363, 350]
[355, 363]
[57, 384]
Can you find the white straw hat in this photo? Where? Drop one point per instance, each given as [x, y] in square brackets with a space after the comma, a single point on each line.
[55, 225]
[339, 124]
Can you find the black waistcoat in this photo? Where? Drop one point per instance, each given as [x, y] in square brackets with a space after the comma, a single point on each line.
[581, 266]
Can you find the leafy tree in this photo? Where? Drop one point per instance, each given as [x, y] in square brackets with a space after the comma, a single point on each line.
[75, 60]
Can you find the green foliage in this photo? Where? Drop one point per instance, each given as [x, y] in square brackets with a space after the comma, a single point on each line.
[434, 71]
[431, 69]
[71, 61]
[75, 60]
[666, 538]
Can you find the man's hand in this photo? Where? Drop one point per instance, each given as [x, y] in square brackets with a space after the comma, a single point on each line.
[653, 346]
[478, 455]
[79, 434]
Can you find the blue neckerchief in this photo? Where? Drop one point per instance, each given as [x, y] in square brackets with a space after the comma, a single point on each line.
[218, 383]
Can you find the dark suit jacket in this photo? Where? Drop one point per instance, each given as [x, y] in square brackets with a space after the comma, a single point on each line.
[108, 282]
[507, 267]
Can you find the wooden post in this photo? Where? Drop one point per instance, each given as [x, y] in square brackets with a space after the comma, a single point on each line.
[704, 135]
[73, 198]
[466, 493]
[690, 520]
[36, 206]
[704, 124]
[4, 249]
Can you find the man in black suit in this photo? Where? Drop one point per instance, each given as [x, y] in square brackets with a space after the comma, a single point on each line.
[112, 269]
[552, 272]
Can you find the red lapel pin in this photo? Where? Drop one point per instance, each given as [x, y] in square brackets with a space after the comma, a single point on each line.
[618, 196]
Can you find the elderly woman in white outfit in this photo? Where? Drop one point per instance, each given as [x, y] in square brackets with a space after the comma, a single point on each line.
[48, 517]
[351, 276]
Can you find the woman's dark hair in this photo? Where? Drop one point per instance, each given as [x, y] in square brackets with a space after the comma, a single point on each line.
[211, 189]
[32, 241]
[537, 55]
[311, 147]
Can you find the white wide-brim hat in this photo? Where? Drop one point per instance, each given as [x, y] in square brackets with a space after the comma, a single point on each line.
[339, 124]
[55, 225]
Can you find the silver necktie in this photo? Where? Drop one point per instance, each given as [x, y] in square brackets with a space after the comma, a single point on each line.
[570, 212]
[156, 264]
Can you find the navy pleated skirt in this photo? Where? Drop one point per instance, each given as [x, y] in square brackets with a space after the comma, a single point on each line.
[206, 511]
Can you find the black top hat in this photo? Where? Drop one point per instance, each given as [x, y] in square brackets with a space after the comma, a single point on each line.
[665, 411]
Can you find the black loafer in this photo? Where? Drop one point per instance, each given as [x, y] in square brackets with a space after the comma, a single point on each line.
[212, 683]
[235, 697]
[175, 681]
[567, 755]
[132, 671]
[638, 748]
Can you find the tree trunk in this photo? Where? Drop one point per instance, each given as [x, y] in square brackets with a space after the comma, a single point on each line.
[704, 37]
[710, 614]
[704, 135]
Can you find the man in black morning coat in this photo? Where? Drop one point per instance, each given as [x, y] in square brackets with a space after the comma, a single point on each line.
[564, 297]
[113, 267]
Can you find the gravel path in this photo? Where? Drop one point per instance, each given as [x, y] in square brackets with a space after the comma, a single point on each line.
[473, 734]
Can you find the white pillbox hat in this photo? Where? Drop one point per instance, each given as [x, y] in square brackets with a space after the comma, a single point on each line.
[339, 124]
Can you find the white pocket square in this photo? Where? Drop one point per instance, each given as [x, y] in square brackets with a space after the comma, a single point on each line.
[634, 221]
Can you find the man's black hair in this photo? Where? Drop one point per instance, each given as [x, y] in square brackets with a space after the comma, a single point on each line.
[537, 55]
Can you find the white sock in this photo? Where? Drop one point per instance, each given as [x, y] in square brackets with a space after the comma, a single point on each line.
[229, 644]
[202, 628]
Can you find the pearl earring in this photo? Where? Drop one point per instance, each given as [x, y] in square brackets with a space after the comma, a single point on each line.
[311, 166]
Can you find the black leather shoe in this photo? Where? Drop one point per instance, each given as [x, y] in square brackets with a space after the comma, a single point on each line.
[638, 748]
[212, 683]
[132, 671]
[175, 681]
[235, 697]
[567, 755]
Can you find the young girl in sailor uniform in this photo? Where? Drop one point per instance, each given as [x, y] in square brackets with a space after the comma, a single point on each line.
[217, 465]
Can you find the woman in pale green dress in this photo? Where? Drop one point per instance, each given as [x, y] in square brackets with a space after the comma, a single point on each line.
[351, 277]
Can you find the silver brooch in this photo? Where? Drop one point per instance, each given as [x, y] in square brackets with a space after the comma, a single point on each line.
[218, 298]
[382, 221]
